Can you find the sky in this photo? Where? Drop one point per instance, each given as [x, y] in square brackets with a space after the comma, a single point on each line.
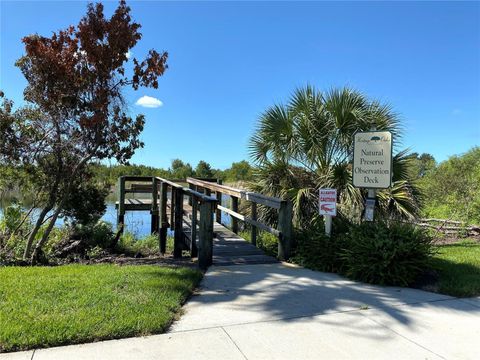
[229, 61]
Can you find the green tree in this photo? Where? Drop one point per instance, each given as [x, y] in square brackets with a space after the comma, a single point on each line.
[307, 144]
[239, 171]
[180, 170]
[422, 164]
[452, 189]
[203, 170]
[76, 111]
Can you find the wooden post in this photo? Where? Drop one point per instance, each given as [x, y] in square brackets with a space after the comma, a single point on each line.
[285, 227]
[178, 229]
[190, 199]
[154, 210]
[218, 213]
[172, 208]
[121, 203]
[193, 243]
[205, 236]
[328, 224]
[233, 219]
[254, 228]
[163, 217]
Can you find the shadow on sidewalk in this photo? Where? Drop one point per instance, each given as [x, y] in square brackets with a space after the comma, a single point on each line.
[233, 295]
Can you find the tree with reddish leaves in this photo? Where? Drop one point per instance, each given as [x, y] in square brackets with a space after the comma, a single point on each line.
[77, 112]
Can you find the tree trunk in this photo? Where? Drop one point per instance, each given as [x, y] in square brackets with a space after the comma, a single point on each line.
[34, 232]
[45, 235]
[59, 208]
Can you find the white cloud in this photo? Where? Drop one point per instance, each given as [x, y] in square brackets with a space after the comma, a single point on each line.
[149, 102]
[128, 54]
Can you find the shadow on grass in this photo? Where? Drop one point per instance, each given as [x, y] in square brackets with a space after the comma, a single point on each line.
[457, 279]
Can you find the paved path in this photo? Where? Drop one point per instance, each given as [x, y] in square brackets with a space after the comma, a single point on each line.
[273, 311]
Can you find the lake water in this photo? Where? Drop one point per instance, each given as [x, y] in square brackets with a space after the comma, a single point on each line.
[136, 222]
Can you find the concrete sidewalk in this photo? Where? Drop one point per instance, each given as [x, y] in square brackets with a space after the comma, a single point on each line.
[276, 311]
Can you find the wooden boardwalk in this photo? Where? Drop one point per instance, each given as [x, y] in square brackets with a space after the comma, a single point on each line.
[231, 249]
[172, 206]
[228, 247]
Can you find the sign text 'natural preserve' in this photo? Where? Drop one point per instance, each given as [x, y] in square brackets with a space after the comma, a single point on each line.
[372, 160]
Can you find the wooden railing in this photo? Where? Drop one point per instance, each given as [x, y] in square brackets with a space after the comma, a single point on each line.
[168, 195]
[167, 209]
[200, 203]
[284, 207]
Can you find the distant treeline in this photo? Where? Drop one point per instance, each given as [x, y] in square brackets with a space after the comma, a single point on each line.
[239, 171]
[451, 189]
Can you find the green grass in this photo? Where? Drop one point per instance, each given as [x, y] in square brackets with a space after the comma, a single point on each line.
[47, 306]
[458, 266]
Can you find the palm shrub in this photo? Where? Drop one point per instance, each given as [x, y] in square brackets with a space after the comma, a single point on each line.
[317, 251]
[306, 144]
[386, 254]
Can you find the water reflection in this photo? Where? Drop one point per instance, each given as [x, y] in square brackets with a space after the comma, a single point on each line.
[136, 222]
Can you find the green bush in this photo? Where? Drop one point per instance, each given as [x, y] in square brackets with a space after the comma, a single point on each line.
[265, 241]
[12, 217]
[146, 246]
[317, 251]
[99, 234]
[386, 254]
[95, 253]
[14, 228]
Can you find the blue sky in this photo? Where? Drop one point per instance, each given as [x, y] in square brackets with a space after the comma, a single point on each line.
[229, 61]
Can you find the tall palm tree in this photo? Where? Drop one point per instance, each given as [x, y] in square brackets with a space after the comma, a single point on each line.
[307, 144]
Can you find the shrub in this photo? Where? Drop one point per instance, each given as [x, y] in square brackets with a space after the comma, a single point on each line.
[317, 251]
[312, 251]
[86, 204]
[14, 227]
[386, 255]
[98, 234]
[95, 253]
[12, 217]
[102, 234]
[14, 247]
[146, 246]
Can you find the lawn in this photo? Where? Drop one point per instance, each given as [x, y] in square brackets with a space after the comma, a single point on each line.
[458, 266]
[47, 306]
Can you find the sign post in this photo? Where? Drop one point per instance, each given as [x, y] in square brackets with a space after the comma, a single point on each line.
[372, 165]
[327, 205]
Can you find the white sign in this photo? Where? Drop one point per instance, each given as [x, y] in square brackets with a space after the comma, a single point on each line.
[372, 160]
[327, 203]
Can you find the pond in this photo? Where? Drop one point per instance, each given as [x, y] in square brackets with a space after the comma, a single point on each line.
[136, 222]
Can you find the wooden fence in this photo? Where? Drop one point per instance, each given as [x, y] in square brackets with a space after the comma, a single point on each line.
[449, 227]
